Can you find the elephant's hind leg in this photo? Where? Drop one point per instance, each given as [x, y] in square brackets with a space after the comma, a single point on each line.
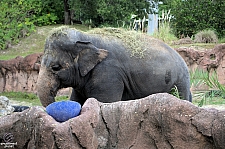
[184, 90]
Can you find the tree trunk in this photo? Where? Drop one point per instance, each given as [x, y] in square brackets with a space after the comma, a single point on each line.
[67, 17]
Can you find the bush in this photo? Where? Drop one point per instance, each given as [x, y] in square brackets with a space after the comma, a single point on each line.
[19, 17]
[13, 24]
[206, 36]
[222, 40]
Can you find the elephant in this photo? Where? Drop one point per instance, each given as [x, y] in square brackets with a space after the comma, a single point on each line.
[106, 67]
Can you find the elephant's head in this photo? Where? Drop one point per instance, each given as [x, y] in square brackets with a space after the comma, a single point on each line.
[65, 63]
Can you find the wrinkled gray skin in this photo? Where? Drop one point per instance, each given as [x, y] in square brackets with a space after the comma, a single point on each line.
[103, 68]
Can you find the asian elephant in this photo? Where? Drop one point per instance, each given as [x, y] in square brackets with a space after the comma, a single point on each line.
[107, 68]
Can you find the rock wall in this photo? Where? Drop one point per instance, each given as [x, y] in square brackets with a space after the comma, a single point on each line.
[209, 60]
[20, 74]
[158, 121]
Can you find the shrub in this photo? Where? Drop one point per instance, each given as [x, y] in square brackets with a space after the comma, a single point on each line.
[19, 17]
[206, 36]
[222, 40]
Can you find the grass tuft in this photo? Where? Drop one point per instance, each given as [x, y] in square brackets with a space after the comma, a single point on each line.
[165, 33]
[206, 36]
[174, 91]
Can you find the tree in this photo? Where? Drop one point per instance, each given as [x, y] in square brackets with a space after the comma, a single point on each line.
[191, 16]
[103, 11]
[67, 14]
[121, 10]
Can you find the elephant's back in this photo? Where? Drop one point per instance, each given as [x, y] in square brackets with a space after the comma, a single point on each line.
[133, 44]
[135, 47]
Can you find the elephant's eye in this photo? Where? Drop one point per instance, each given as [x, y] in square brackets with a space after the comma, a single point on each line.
[56, 67]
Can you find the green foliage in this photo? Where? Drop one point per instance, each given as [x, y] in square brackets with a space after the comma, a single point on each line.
[19, 17]
[191, 16]
[165, 32]
[222, 40]
[14, 22]
[107, 12]
[174, 91]
[211, 80]
[206, 36]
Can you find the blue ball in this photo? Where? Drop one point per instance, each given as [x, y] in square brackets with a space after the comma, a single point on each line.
[62, 111]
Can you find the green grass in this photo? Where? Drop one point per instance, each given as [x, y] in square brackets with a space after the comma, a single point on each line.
[29, 99]
[209, 101]
[20, 97]
[198, 45]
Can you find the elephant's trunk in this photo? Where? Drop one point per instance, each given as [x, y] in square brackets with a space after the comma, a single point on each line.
[47, 86]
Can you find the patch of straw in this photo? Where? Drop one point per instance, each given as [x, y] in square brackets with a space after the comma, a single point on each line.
[56, 31]
[134, 40]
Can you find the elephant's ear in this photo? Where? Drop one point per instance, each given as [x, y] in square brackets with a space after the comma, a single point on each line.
[89, 57]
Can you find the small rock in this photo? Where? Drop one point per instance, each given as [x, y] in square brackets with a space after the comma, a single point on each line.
[20, 108]
[5, 107]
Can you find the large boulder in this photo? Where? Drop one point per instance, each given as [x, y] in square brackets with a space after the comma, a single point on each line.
[157, 121]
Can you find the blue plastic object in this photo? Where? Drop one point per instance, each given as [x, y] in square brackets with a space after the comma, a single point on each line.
[62, 111]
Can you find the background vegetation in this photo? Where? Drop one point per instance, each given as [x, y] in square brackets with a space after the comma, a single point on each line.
[216, 91]
[18, 18]
[191, 16]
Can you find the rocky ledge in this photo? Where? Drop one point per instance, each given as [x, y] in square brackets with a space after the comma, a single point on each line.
[20, 74]
[157, 121]
[205, 59]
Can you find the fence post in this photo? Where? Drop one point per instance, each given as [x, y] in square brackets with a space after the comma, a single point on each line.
[152, 23]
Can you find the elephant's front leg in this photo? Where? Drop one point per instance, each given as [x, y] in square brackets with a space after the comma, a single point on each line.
[76, 96]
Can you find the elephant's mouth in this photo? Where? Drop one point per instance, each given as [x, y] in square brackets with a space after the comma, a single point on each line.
[47, 97]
